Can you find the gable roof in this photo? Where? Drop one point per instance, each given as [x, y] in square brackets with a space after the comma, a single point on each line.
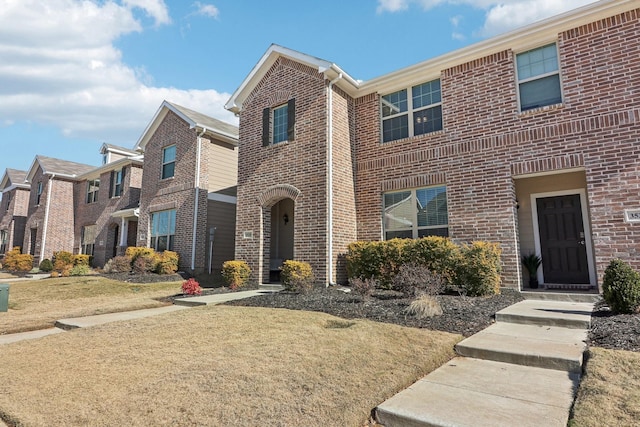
[519, 40]
[62, 168]
[218, 129]
[117, 149]
[13, 178]
[329, 69]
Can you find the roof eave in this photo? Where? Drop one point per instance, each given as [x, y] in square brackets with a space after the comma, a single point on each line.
[95, 173]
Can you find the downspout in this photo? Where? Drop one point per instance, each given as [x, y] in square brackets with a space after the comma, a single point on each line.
[330, 178]
[197, 202]
[46, 216]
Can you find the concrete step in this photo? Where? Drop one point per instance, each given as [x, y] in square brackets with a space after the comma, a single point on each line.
[562, 296]
[271, 287]
[548, 347]
[551, 313]
[473, 392]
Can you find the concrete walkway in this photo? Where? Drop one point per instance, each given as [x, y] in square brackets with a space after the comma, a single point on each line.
[100, 319]
[523, 370]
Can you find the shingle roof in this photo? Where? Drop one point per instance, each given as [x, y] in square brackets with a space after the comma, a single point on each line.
[207, 121]
[58, 166]
[13, 177]
[118, 148]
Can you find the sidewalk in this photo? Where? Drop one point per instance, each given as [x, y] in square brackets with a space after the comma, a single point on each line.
[523, 370]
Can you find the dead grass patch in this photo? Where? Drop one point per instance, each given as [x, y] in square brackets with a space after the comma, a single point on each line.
[216, 365]
[609, 394]
[37, 304]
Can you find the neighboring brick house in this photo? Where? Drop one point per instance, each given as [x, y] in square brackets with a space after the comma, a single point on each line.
[530, 139]
[188, 199]
[50, 225]
[13, 209]
[106, 205]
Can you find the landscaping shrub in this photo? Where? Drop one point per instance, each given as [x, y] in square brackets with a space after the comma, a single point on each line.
[296, 276]
[133, 252]
[379, 260]
[479, 269]
[16, 261]
[46, 265]
[146, 263]
[363, 286]
[414, 279]
[235, 273]
[424, 306]
[167, 262]
[191, 287]
[63, 260]
[82, 259]
[118, 264]
[621, 287]
[79, 270]
[439, 254]
[54, 274]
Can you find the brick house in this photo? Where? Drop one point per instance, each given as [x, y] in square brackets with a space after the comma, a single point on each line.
[188, 199]
[106, 201]
[530, 139]
[13, 209]
[50, 216]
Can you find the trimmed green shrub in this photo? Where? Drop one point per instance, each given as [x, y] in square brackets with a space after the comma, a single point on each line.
[16, 261]
[621, 287]
[63, 260]
[296, 276]
[118, 264]
[236, 273]
[479, 269]
[80, 270]
[167, 262]
[46, 265]
[415, 279]
[439, 254]
[379, 260]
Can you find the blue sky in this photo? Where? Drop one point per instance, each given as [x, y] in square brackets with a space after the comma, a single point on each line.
[75, 74]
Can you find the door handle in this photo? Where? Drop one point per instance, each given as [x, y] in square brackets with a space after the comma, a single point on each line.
[581, 242]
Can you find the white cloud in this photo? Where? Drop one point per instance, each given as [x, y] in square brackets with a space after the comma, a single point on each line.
[206, 10]
[64, 70]
[500, 15]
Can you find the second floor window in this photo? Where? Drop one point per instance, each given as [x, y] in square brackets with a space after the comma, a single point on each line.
[168, 161]
[116, 183]
[417, 114]
[538, 77]
[39, 193]
[7, 196]
[92, 190]
[278, 124]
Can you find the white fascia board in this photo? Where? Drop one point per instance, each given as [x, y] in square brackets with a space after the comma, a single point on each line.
[118, 164]
[216, 197]
[32, 169]
[151, 127]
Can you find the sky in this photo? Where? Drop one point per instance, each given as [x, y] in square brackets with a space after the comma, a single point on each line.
[75, 74]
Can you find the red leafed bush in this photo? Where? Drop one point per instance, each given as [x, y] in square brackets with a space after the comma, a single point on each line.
[191, 287]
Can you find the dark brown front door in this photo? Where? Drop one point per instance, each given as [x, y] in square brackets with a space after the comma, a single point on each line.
[562, 240]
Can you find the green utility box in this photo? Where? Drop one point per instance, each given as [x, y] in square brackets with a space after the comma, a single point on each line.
[4, 297]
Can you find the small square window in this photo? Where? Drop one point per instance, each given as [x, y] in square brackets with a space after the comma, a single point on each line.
[416, 213]
[168, 161]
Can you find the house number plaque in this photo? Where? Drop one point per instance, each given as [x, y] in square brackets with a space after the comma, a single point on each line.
[632, 215]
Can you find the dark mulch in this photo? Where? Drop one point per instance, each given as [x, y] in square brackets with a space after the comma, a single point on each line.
[614, 331]
[143, 278]
[462, 315]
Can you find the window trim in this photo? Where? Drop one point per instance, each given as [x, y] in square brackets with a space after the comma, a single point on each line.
[415, 228]
[558, 72]
[92, 196]
[268, 123]
[4, 239]
[410, 111]
[117, 183]
[170, 237]
[164, 163]
[39, 191]
[7, 196]
[86, 247]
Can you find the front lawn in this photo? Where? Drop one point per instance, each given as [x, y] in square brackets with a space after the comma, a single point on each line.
[216, 365]
[37, 304]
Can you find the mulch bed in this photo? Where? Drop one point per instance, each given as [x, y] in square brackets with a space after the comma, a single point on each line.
[143, 278]
[614, 331]
[462, 315]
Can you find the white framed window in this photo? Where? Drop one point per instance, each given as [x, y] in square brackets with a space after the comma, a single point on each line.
[93, 185]
[4, 235]
[88, 237]
[6, 196]
[116, 183]
[39, 193]
[415, 213]
[280, 118]
[278, 123]
[168, 162]
[163, 230]
[538, 73]
[411, 112]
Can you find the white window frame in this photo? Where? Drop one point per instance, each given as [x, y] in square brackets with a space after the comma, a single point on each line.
[7, 196]
[116, 185]
[415, 228]
[88, 239]
[165, 163]
[171, 237]
[285, 133]
[93, 186]
[540, 76]
[410, 110]
[4, 237]
[39, 193]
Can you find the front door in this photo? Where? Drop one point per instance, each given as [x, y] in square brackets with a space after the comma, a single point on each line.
[562, 240]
